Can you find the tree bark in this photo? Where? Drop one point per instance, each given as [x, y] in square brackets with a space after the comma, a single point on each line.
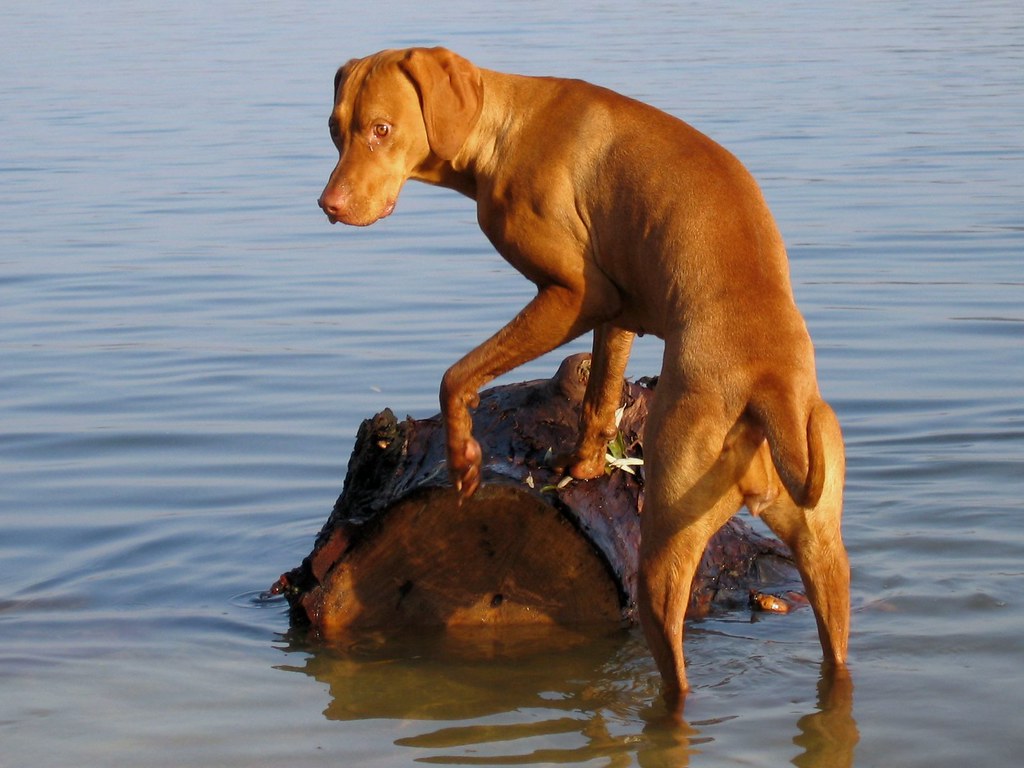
[398, 550]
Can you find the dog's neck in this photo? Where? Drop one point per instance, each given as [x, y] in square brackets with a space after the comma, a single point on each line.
[495, 130]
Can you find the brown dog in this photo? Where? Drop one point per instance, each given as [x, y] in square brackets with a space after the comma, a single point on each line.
[628, 221]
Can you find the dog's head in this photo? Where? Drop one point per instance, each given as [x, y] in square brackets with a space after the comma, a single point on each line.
[395, 113]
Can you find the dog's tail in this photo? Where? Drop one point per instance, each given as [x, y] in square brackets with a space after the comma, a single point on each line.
[797, 439]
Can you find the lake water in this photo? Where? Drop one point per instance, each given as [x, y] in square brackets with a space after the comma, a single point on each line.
[187, 349]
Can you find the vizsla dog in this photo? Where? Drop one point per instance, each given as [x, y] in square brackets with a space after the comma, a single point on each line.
[628, 221]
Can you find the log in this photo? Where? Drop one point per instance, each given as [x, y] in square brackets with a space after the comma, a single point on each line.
[528, 548]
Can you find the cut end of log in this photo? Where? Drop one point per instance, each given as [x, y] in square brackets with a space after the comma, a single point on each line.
[502, 557]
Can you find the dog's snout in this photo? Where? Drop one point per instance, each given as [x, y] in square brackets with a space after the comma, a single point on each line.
[340, 204]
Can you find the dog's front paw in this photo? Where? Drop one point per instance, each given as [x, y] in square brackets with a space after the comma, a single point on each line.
[464, 460]
[588, 469]
[578, 467]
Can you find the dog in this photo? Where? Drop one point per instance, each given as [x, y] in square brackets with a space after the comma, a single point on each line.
[628, 221]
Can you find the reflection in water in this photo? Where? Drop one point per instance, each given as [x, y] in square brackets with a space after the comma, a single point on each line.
[829, 734]
[506, 705]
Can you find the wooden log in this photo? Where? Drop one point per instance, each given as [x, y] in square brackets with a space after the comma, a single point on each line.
[398, 550]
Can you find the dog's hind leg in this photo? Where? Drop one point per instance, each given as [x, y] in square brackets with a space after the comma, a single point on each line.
[814, 536]
[694, 453]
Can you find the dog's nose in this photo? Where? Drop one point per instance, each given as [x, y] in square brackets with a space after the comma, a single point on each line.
[329, 208]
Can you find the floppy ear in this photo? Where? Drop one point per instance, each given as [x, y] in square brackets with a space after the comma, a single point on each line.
[341, 74]
[451, 94]
[338, 77]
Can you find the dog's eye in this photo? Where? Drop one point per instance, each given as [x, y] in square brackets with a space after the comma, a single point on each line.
[381, 130]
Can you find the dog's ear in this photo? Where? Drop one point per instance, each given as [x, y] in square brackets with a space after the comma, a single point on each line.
[343, 72]
[451, 96]
[338, 77]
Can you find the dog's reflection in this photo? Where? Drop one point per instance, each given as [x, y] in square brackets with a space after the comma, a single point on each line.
[504, 702]
[829, 734]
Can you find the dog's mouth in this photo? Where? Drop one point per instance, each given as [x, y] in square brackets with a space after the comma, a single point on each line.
[360, 221]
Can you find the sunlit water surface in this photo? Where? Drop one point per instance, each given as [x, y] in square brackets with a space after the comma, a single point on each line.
[187, 349]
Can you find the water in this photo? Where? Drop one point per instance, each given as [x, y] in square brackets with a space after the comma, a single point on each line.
[187, 349]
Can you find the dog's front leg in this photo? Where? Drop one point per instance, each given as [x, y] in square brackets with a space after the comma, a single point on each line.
[556, 315]
[600, 402]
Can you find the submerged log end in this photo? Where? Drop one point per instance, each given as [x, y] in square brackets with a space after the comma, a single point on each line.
[501, 557]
